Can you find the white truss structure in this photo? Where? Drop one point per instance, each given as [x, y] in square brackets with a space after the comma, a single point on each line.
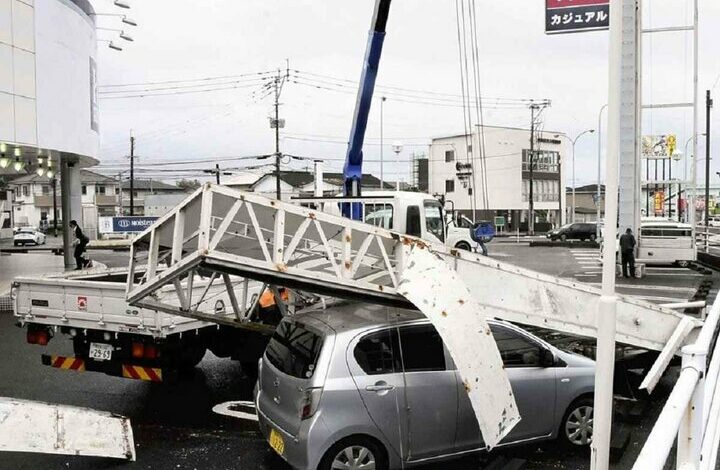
[228, 237]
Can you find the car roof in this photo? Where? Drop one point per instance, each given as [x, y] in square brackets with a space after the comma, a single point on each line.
[352, 317]
[345, 316]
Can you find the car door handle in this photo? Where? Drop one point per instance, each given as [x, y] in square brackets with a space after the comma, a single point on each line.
[380, 387]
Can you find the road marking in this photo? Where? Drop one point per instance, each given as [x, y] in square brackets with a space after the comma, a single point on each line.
[237, 409]
[659, 299]
[651, 287]
[668, 268]
[585, 275]
[675, 274]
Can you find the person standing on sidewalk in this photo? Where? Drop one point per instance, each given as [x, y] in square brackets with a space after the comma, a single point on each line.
[627, 253]
[81, 241]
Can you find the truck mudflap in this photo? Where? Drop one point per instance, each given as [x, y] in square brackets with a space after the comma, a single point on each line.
[47, 428]
[128, 371]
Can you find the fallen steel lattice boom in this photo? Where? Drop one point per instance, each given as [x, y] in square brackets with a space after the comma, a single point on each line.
[228, 235]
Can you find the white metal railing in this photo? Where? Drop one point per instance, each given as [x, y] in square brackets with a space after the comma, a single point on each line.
[705, 238]
[691, 413]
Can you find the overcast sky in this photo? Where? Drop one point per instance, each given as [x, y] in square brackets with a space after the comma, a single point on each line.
[184, 40]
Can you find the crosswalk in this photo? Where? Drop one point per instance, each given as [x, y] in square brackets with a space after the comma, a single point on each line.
[661, 284]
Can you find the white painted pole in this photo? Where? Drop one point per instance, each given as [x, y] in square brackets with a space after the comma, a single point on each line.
[319, 178]
[693, 162]
[690, 432]
[607, 308]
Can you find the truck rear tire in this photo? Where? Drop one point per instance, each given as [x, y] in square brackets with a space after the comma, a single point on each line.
[191, 357]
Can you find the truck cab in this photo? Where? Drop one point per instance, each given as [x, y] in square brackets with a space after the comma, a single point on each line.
[411, 213]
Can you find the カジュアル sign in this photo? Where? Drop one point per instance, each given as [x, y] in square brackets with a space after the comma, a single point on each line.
[569, 16]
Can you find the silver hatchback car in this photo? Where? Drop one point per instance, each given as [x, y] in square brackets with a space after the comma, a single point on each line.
[368, 387]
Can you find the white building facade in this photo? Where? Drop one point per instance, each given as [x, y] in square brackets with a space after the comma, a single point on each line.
[48, 94]
[496, 181]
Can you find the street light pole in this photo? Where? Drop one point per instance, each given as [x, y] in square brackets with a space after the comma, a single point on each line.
[589, 131]
[599, 166]
[708, 107]
[382, 179]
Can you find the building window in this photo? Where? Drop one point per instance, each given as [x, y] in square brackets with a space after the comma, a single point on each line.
[26, 190]
[543, 161]
[84, 190]
[449, 155]
[100, 189]
[117, 190]
[45, 189]
[449, 186]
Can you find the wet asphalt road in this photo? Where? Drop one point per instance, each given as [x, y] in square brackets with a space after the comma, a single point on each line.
[173, 424]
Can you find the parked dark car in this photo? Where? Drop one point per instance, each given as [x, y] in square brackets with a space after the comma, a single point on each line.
[576, 231]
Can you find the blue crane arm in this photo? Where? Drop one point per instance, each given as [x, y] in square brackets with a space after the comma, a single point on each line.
[352, 171]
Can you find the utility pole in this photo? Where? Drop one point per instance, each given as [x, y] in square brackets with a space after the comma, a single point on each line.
[275, 123]
[708, 107]
[132, 174]
[217, 173]
[531, 207]
[55, 214]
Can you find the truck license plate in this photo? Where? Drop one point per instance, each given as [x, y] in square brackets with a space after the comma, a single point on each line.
[100, 351]
[276, 442]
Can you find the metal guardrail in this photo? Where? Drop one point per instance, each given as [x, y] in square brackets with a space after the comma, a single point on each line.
[692, 411]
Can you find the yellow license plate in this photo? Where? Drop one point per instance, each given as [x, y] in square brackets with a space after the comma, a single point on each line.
[276, 442]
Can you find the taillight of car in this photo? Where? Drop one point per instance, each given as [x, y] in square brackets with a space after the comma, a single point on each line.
[138, 350]
[311, 399]
[41, 337]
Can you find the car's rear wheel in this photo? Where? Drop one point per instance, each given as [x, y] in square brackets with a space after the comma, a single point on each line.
[463, 246]
[576, 429]
[355, 453]
[592, 237]
[563, 238]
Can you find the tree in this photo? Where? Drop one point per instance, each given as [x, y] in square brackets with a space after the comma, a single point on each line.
[188, 185]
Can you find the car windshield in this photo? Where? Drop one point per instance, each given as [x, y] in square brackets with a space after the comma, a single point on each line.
[26, 230]
[294, 349]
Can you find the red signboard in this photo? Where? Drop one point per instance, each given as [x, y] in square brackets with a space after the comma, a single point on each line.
[567, 16]
[573, 3]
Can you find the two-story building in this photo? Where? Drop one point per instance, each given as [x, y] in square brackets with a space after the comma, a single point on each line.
[141, 190]
[33, 199]
[487, 174]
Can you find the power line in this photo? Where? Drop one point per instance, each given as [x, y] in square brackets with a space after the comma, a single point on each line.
[182, 87]
[415, 91]
[148, 95]
[221, 77]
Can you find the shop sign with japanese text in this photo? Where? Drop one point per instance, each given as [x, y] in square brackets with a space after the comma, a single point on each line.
[569, 16]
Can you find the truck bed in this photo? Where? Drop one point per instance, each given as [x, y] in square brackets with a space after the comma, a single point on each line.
[95, 301]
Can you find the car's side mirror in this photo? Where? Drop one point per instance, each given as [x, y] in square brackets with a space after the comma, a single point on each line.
[547, 358]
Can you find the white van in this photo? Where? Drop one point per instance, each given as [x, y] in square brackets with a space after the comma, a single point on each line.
[665, 242]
